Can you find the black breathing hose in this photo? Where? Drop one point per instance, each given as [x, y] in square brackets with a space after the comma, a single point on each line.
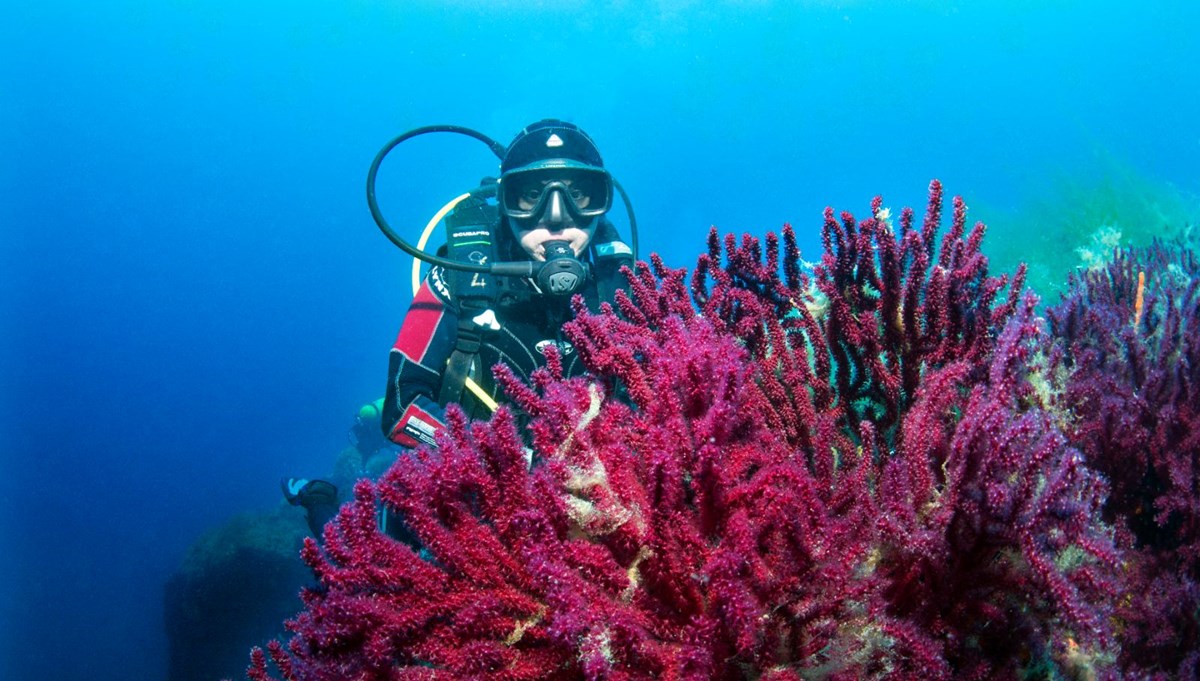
[525, 268]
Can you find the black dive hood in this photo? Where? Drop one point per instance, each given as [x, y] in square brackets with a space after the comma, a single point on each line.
[560, 274]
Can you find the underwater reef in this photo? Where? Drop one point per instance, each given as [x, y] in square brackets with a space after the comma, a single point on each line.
[887, 467]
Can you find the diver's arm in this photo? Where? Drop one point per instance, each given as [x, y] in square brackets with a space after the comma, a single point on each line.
[411, 414]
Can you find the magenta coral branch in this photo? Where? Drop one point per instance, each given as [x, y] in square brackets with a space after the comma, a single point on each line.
[893, 314]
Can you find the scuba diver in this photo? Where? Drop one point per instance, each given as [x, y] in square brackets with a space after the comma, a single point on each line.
[501, 287]
[366, 435]
[370, 453]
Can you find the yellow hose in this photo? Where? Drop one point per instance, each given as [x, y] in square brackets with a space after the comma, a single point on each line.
[483, 397]
[416, 267]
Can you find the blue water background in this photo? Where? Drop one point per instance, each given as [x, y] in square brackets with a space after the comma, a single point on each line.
[195, 301]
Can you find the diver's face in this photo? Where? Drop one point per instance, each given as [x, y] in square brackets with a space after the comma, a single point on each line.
[554, 223]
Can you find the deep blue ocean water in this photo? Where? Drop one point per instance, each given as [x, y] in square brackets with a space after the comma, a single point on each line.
[195, 301]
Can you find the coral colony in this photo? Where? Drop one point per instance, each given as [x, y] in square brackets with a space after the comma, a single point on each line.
[890, 469]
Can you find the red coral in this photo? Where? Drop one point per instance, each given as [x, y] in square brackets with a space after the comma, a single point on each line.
[894, 311]
[783, 490]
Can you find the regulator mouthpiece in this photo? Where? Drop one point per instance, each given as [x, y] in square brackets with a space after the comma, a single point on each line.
[562, 274]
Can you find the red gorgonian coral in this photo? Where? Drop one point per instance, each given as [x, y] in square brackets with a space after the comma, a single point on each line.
[771, 478]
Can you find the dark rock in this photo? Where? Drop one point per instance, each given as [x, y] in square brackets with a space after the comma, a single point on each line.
[236, 586]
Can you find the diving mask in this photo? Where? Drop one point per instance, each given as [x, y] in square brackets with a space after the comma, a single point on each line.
[587, 191]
